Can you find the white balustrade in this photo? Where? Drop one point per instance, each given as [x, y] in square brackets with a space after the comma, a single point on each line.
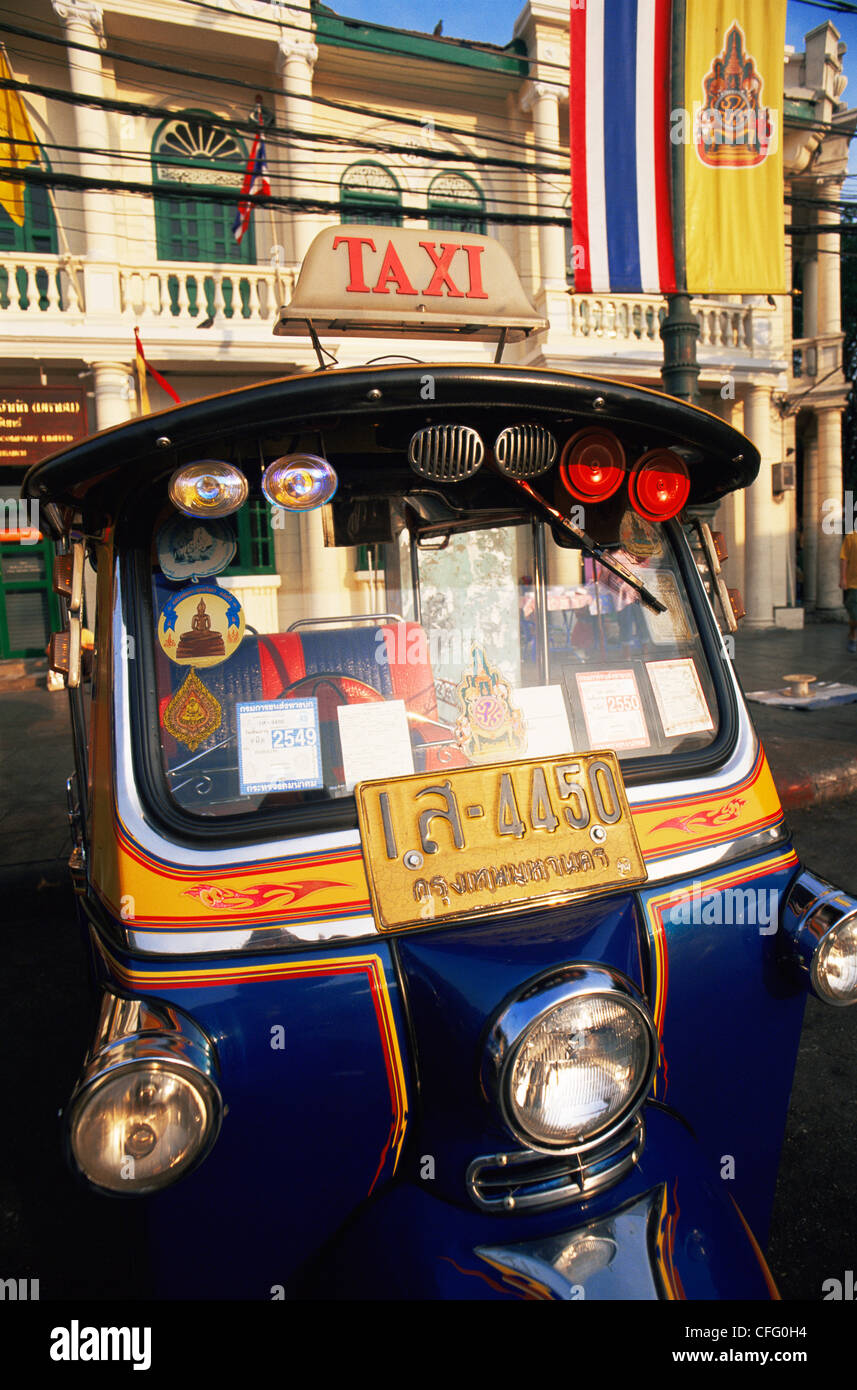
[34, 284]
[186, 293]
[637, 319]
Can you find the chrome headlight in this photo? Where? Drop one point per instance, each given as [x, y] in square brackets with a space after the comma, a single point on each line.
[572, 1059]
[147, 1109]
[834, 966]
[821, 924]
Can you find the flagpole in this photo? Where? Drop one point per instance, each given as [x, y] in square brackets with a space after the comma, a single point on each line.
[66, 249]
[680, 328]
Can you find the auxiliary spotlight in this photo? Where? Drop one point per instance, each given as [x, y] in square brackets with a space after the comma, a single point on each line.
[208, 488]
[299, 482]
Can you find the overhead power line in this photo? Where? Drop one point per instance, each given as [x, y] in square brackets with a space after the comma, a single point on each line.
[136, 108]
[179, 193]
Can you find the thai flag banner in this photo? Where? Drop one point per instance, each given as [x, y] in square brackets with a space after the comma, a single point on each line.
[619, 128]
[255, 182]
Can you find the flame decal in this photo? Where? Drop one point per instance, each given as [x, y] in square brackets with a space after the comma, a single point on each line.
[715, 815]
[219, 899]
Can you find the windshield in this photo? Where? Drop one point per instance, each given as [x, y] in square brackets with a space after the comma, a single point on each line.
[291, 664]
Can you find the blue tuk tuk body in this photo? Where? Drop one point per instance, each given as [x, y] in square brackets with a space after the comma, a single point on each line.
[343, 1098]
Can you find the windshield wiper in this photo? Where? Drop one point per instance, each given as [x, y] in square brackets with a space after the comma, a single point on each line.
[592, 547]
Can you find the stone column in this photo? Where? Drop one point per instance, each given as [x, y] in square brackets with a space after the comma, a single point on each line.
[297, 58]
[759, 521]
[829, 595]
[114, 392]
[325, 573]
[810, 298]
[811, 521]
[829, 293]
[83, 22]
[543, 99]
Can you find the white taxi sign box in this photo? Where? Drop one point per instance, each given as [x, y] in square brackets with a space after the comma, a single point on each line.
[381, 281]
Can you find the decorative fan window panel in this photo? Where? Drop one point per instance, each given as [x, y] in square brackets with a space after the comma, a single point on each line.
[456, 204]
[369, 193]
[194, 151]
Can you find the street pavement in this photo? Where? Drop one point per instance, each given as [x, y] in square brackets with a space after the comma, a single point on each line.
[82, 1246]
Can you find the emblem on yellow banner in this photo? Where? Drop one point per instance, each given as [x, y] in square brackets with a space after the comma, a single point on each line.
[733, 130]
[193, 713]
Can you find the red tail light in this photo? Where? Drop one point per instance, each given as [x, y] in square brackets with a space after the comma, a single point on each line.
[592, 467]
[659, 485]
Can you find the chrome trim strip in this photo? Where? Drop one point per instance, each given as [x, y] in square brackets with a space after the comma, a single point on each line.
[583, 1172]
[713, 856]
[228, 941]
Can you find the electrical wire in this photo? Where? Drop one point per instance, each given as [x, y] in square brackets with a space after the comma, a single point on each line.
[179, 193]
[251, 127]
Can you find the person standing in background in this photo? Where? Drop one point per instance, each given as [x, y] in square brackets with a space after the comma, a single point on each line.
[848, 584]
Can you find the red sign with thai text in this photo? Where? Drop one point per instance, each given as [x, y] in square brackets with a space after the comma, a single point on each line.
[36, 421]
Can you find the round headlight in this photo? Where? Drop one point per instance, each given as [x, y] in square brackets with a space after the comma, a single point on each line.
[574, 1059]
[142, 1126]
[834, 965]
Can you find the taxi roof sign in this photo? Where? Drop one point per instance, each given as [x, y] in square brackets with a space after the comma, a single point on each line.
[388, 281]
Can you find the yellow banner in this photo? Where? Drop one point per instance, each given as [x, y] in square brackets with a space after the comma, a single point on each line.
[734, 150]
[18, 147]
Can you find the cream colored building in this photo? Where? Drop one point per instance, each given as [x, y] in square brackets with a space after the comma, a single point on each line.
[385, 122]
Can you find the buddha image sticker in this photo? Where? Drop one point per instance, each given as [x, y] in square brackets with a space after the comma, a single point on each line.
[279, 747]
[201, 626]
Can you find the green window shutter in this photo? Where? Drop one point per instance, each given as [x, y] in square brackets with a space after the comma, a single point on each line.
[255, 553]
[370, 193]
[38, 233]
[451, 195]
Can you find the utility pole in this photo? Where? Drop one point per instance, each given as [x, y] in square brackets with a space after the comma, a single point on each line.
[680, 328]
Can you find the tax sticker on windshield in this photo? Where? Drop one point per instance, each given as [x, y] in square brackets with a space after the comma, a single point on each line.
[375, 740]
[681, 702]
[612, 709]
[279, 747]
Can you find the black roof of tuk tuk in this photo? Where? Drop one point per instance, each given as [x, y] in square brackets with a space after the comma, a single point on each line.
[95, 474]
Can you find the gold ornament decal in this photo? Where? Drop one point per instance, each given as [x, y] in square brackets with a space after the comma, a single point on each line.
[733, 130]
[489, 727]
[201, 626]
[193, 713]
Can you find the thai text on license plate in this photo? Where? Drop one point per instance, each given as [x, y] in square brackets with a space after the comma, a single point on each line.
[485, 839]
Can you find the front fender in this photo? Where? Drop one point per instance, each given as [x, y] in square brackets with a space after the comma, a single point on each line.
[670, 1230]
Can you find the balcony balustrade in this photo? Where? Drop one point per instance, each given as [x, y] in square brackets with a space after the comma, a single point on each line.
[170, 300]
[637, 320]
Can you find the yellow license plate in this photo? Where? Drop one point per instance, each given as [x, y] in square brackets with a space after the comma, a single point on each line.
[486, 839]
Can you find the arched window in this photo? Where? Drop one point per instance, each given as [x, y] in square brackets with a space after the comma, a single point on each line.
[449, 197]
[195, 150]
[370, 194]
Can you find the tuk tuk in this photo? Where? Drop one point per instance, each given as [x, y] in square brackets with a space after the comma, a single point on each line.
[447, 934]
